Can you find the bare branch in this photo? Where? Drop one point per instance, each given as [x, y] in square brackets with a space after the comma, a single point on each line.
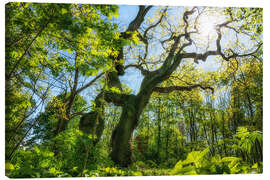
[185, 18]
[154, 25]
[203, 56]
[89, 83]
[181, 88]
[143, 71]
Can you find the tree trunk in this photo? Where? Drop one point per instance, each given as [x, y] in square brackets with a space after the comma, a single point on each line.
[167, 141]
[121, 140]
[122, 134]
[159, 132]
[93, 122]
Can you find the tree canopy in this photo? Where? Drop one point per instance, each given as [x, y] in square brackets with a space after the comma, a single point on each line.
[70, 109]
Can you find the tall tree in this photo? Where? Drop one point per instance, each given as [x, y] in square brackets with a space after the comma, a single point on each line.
[69, 43]
[133, 105]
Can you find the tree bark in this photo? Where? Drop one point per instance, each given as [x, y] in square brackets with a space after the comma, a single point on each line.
[159, 132]
[121, 140]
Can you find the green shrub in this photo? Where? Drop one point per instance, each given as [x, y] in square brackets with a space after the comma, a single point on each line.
[35, 163]
[198, 163]
[151, 164]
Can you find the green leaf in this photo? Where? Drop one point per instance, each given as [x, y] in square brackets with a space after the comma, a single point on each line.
[63, 11]
[9, 166]
[69, 51]
[230, 159]
[255, 166]
[36, 149]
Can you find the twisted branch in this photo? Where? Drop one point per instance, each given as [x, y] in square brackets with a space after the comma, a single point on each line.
[182, 88]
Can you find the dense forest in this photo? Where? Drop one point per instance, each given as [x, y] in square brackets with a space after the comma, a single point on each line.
[106, 90]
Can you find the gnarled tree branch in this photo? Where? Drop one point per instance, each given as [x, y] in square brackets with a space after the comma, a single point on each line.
[154, 25]
[139, 67]
[181, 88]
[136, 23]
[117, 99]
[218, 51]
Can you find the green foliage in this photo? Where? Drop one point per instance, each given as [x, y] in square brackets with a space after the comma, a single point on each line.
[252, 17]
[18, 105]
[107, 172]
[249, 144]
[103, 172]
[40, 161]
[199, 163]
[55, 110]
[35, 163]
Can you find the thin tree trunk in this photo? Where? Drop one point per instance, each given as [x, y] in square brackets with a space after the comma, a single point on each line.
[159, 131]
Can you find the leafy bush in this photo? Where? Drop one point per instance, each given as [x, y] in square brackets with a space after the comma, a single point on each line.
[141, 164]
[156, 172]
[197, 162]
[249, 144]
[170, 162]
[35, 163]
[151, 164]
[40, 161]
[111, 171]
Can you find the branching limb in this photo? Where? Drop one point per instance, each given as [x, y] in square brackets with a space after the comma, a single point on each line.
[177, 39]
[171, 62]
[139, 67]
[182, 88]
[156, 24]
[185, 18]
[144, 37]
[203, 56]
[89, 83]
[117, 99]
[136, 23]
[73, 94]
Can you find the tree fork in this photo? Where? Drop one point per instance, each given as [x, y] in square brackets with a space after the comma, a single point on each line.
[94, 121]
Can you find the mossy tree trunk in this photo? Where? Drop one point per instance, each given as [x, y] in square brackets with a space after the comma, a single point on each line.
[121, 139]
[133, 106]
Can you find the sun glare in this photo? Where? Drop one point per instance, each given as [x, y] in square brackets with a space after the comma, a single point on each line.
[206, 25]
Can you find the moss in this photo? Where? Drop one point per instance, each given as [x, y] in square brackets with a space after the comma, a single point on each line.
[121, 137]
[92, 123]
[113, 80]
